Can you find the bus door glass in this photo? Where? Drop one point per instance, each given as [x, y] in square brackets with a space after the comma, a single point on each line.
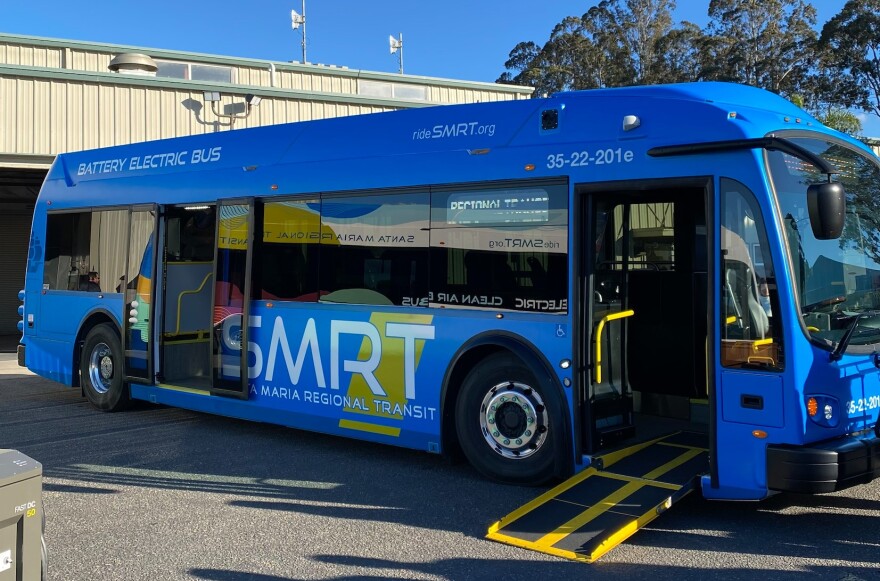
[610, 396]
[231, 296]
[138, 286]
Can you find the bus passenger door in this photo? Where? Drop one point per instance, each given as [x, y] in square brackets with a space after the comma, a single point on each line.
[645, 316]
[139, 289]
[232, 291]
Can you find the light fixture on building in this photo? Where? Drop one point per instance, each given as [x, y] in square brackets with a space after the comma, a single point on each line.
[214, 97]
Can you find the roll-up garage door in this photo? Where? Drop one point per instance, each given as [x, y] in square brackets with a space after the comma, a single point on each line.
[15, 229]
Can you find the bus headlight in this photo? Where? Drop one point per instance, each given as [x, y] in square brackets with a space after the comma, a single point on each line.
[823, 410]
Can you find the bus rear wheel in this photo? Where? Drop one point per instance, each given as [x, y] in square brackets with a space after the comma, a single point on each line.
[506, 422]
[101, 369]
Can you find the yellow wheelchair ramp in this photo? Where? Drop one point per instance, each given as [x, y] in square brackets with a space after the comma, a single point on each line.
[594, 511]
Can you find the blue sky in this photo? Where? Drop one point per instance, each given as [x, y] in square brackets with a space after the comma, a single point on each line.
[459, 39]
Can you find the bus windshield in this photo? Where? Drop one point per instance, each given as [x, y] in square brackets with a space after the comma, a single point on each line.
[837, 282]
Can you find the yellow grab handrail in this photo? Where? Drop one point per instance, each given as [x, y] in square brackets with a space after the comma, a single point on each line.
[599, 327]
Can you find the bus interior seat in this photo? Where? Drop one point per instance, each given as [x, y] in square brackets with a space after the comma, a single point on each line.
[741, 286]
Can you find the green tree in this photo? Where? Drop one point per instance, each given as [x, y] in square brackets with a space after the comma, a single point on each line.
[679, 55]
[850, 44]
[641, 25]
[843, 120]
[568, 60]
[766, 43]
[524, 60]
[614, 43]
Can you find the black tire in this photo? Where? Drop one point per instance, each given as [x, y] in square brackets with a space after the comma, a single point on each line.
[101, 370]
[518, 442]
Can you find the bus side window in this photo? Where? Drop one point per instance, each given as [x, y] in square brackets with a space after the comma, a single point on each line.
[79, 245]
[377, 249]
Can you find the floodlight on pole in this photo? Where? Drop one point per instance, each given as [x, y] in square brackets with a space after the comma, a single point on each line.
[297, 20]
[395, 45]
[214, 97]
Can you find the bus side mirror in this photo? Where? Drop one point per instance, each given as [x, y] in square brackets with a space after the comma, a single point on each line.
[826, 204]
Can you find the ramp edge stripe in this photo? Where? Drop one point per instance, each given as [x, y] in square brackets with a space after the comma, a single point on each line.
[613, 457]
[685, 446]
[513, 541]
[625, 532]
[590, 514]
[674, 463]
[640, 479]
[549, 495]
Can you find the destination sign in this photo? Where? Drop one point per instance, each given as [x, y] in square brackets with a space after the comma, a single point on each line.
[499, 207]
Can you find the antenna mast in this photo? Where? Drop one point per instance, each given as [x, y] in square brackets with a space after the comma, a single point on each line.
[297, 20]
[395, 45]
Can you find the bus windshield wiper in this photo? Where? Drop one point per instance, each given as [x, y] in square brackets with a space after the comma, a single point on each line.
[844, 341]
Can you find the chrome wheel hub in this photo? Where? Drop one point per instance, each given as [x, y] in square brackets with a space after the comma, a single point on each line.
[101, 367]
[514, 420]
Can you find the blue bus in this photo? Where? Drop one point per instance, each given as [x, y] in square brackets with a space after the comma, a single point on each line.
[531, 283]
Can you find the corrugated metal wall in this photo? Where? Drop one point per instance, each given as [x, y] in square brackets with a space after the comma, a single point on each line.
[47, 117]
[58, 96]
[31, 56]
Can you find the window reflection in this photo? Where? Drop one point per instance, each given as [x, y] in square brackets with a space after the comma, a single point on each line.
[501, 248]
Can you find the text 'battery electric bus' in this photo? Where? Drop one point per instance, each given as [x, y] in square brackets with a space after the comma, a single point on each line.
[535, 283]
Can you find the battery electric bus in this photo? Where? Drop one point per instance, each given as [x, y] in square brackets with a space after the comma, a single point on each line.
[533, 283]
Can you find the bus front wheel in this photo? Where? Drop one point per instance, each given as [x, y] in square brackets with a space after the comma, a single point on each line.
[101, 369]
[506, 422]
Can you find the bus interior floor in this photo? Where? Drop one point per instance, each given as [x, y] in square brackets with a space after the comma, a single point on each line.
[649, 427]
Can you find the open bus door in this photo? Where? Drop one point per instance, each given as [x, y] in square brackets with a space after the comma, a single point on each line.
[645, 327]
[644, 277]
[206, 282]
[138, 286]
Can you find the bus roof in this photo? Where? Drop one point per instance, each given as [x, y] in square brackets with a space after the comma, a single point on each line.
[668, 115]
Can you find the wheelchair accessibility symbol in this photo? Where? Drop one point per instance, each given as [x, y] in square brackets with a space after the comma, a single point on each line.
[560, 331]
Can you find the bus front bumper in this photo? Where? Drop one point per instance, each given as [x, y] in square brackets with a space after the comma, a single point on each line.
[825, 466]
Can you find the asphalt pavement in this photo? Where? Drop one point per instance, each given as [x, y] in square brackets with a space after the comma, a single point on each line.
[157, 493]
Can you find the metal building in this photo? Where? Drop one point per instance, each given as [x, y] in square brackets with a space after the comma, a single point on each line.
[63, 95]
